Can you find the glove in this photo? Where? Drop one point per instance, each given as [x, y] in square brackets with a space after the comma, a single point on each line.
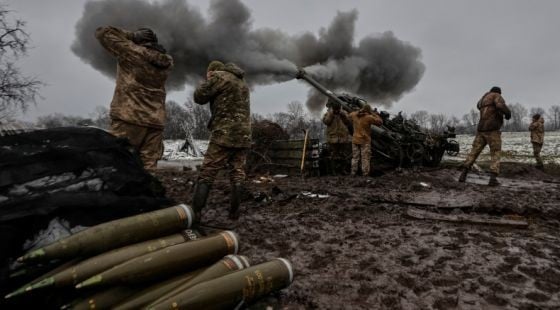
[143, 35]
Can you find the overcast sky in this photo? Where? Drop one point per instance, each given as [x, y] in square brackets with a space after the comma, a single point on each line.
[467, 47]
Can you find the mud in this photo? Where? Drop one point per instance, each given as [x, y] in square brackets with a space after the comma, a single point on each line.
[352, 245]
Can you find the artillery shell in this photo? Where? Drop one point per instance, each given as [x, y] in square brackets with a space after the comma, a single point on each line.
[225, 266]
[27, 287]
[152, 292]
[166, 262]
[235, 289]
[105, 299]
[114, 234]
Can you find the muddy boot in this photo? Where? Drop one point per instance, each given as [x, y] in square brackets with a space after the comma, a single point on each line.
[463, 176]
[493, 180]
[235, 200]
[201, 191]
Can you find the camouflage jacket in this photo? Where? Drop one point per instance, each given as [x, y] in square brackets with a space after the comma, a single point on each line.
[362, 126]
[228, 95]
[537, 131]
[139, 96]
[337, 130]
[492, 108]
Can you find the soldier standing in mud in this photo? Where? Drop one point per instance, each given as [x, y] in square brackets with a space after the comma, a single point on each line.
[362, 121]
[138, 106]
[493, 109]
[337, 136]
[537, 138]
[230, 127]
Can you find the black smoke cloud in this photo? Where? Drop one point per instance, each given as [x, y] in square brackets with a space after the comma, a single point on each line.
[379, 68]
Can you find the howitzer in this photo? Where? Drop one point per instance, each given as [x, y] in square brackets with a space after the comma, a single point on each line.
[398, 141]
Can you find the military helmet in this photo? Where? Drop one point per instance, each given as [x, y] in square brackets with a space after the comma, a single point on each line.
[496, 89]
[215, 65]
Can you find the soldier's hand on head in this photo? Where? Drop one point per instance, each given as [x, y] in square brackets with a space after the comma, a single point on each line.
[143, 35]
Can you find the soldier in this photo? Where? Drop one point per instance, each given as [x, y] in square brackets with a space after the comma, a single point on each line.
[337, 136]
[537, 138]
[138, 105]
[361, 139]
[492, 108]
[230, 127]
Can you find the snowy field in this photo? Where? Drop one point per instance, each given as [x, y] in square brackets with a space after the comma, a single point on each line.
[516, 146]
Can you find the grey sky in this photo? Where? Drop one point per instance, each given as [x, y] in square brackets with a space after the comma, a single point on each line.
[467, 47]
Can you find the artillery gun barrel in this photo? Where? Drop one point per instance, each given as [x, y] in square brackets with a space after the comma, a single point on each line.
[302, 75]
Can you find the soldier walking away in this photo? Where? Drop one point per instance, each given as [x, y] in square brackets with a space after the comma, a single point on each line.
[361, 138]
[230, 127]
[337, 122]
[138, 105]
[537, 138]
[492, 108]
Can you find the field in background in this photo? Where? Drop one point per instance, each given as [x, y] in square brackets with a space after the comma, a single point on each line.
[516, 147]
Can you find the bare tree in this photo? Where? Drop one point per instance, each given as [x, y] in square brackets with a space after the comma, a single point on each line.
[7, 113]
[437, 122]
[453, 121]
[177, 121]
[16, 89]
[554, 115]
[518, 113]
[199, 117]
[537, 110]
[420, 118]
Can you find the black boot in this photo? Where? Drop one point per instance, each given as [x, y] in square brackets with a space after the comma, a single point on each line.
[201, 191]
[235, 200]
[463, 176]
[493, 179]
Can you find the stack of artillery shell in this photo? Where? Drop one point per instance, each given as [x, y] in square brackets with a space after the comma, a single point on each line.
[83, 270]
[114, 265]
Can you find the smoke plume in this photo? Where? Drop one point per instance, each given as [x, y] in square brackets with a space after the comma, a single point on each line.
[379, 68]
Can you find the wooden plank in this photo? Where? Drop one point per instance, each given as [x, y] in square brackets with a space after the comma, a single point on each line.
[466, 218]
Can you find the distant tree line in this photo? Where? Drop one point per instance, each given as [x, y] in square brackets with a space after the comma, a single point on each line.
[192, 119]
[520, 119]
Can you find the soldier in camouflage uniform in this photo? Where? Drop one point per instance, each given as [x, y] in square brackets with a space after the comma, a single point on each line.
[138, 105]
[492, 108]
[337, 122]
[230, 127]
[537, 138]
[362, 121]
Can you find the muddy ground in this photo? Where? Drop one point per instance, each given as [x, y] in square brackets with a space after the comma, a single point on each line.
[357, 248]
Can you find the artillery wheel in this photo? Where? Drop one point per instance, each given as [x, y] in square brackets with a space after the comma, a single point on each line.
[415, 152]
[454, 151]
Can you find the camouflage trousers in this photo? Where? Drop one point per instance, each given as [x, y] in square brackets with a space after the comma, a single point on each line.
[219, 157]
[537, 147]
[494, 141]
[148, 141]
[363, 152]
